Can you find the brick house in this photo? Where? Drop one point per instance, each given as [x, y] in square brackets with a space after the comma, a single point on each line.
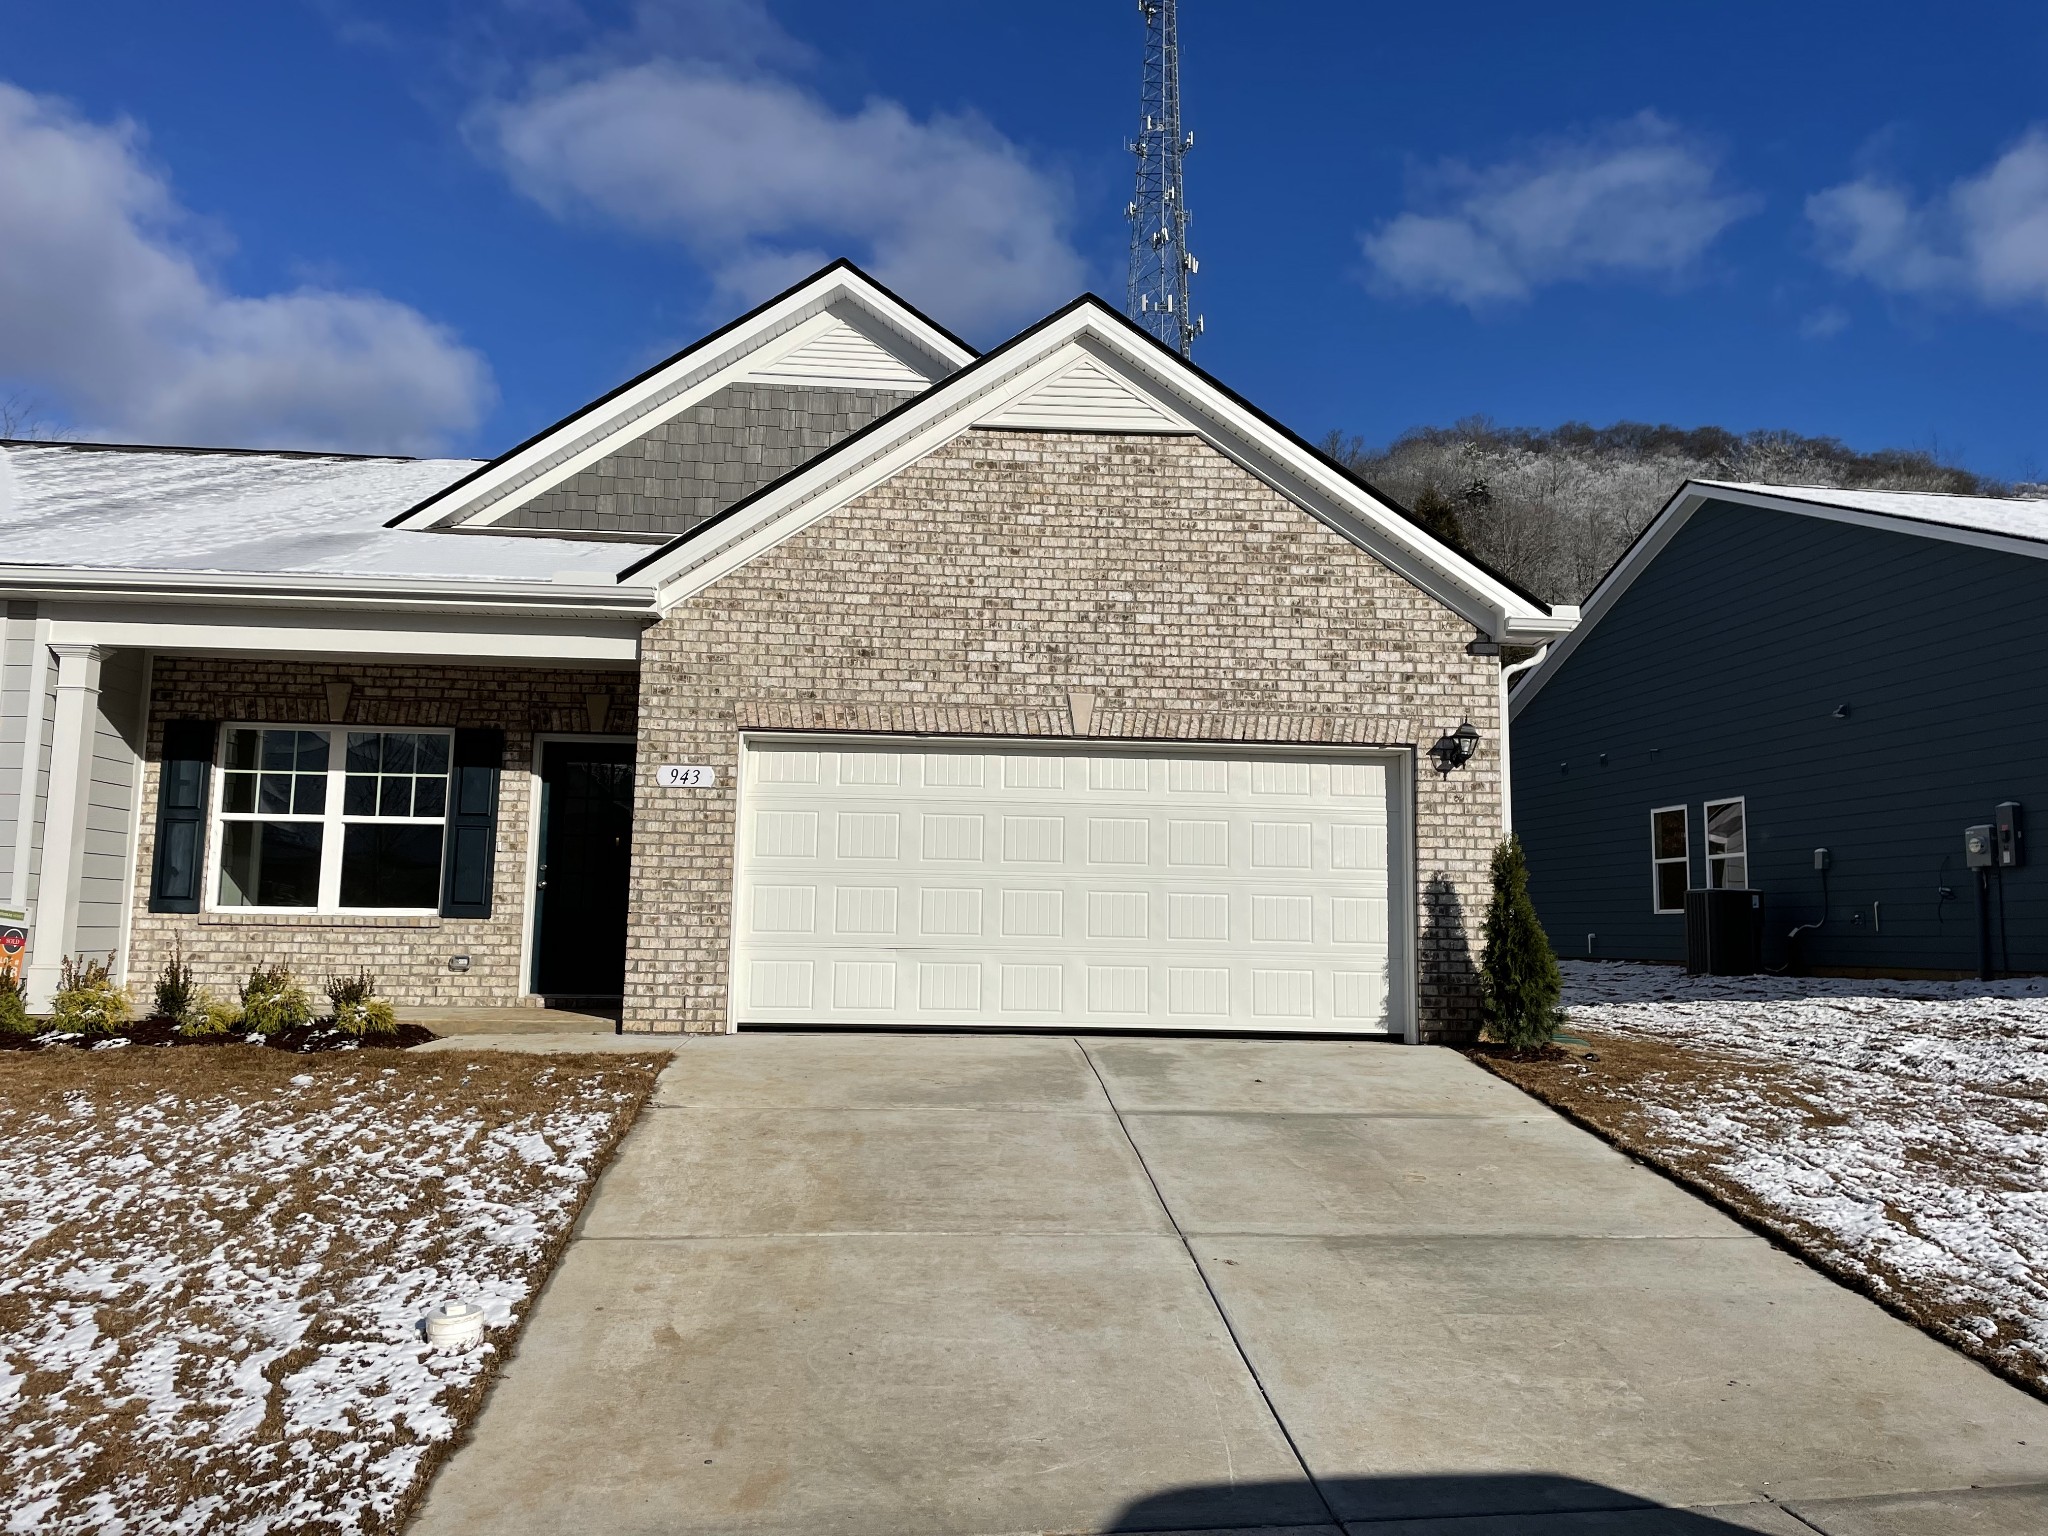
[826, 674]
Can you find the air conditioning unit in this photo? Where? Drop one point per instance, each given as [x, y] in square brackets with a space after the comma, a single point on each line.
[1724, 932]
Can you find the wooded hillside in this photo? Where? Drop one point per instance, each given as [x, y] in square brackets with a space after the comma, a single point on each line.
[1554, 509]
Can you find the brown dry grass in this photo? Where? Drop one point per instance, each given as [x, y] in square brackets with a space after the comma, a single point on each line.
[1636, 1093]
[147, 1188]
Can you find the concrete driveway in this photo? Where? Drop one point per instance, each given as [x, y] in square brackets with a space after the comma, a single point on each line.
[890, 1285]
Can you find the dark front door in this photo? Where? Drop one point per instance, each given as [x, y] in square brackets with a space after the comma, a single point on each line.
[586, 849]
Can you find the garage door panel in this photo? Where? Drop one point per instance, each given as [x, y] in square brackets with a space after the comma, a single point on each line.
[1125, 889]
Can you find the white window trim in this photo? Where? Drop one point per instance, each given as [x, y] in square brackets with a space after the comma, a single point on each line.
[329, 905]
[1657, 864]
[1707, 848]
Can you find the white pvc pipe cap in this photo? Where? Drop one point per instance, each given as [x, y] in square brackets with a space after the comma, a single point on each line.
[455, 1325]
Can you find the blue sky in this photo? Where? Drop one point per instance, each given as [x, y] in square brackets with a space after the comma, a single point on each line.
[436, 227]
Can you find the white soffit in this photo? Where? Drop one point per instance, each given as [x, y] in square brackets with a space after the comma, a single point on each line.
[1084, 397]
[842, 356]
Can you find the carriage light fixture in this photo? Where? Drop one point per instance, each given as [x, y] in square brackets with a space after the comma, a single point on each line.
[1455, 749]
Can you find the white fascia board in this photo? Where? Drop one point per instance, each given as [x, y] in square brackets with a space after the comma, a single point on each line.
[951, 406]
[390, 594]
[590, 435]
[1693, 495]
[183, 629]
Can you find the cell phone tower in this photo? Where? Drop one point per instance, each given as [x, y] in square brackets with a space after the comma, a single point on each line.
[1161, 264]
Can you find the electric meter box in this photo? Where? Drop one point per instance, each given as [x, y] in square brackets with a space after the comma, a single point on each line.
[1979, 851]
[2012, 844]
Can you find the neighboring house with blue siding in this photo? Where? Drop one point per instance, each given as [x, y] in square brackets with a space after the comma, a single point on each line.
[1774, 670]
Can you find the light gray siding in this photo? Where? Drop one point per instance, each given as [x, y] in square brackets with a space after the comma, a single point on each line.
[700, 462]
[1719, 672]
[18, 717]
[110, 807]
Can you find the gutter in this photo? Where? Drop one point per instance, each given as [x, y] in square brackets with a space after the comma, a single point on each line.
[1507, 783]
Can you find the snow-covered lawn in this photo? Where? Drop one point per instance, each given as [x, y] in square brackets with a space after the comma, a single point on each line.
[213, 1263]
[1896, 1131]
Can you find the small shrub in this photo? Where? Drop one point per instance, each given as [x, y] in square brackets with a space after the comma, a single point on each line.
[273, 1000]
[357, 1008]
[175, 992]
[87, 1001]
[14, 1019]
[1519, 985]
[209, 1017]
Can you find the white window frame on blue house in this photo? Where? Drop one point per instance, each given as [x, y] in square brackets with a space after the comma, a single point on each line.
[1659, 862]
[1717, 863]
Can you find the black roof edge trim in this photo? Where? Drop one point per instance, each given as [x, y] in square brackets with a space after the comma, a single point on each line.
[1295, 438]
[77, 446]
[841, 264]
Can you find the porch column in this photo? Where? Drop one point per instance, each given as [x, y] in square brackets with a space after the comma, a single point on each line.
[71, 747]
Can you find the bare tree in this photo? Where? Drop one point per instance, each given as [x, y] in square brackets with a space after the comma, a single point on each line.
[1555, 509]
[23, 418]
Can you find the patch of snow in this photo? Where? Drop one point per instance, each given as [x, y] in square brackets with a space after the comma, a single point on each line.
[1904, 1130]
[266, 1356]
[260, 514]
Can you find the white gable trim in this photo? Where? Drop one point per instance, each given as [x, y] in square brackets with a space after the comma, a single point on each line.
[841, 356]
[837, 299]
[1084, 397]
[1678, 511]
[1088, 331]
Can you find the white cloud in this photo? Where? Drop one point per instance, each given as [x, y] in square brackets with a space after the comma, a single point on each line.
[1985, 237]
[1820, 324]
[1635, 199]
[105, 311]
[761, 179]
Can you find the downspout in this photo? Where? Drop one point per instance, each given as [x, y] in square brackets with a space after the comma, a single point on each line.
[1507, 783]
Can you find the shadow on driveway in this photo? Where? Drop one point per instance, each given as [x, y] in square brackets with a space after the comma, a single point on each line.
[1453, 1504]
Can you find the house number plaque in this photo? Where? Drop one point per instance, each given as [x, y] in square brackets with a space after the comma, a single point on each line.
[685, 776]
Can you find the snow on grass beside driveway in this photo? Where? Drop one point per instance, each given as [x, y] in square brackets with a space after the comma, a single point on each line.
[1895, 1131]
[213, 1264]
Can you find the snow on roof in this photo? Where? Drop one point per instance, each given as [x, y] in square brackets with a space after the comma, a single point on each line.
[2023, 519]
[256, 514]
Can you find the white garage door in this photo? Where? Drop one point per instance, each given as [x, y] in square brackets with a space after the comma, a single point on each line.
[1006, 885]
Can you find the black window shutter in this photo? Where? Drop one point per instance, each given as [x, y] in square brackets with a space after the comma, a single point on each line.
[472, 848]
[182, 785]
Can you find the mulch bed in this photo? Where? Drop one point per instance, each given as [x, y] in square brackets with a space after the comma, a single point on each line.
[320, 1035]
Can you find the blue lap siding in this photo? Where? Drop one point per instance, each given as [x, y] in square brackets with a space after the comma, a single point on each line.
[1717, 674]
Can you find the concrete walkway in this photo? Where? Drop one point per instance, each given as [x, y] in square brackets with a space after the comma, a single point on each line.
[962, 1286]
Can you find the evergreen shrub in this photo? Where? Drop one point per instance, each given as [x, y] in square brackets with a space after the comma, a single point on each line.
[273, 1000]
[14, 1019]
[1519, 985]
[87, 1001]
[357, 1009]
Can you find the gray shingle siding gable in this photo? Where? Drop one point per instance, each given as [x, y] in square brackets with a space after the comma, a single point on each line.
[1717, 674]
[700, 462]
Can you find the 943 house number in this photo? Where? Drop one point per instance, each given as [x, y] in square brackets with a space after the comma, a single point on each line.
[685, 776]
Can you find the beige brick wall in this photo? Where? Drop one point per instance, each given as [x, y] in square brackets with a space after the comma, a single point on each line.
[974, 591]
[409, 955]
